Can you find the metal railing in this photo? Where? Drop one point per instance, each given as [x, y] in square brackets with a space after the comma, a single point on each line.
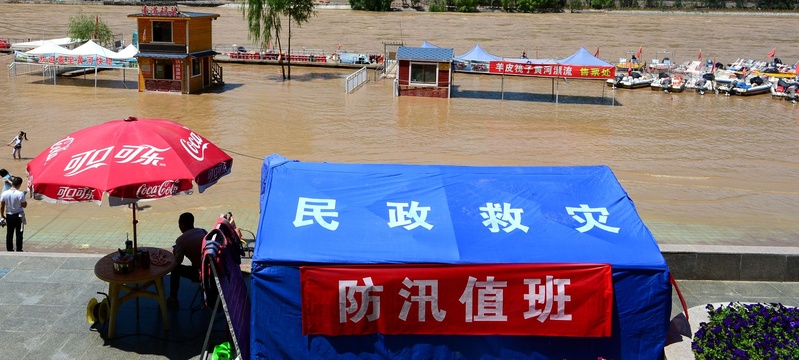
[389, 66]
[357, 79]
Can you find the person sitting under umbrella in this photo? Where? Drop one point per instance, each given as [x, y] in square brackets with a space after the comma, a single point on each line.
[190, 245]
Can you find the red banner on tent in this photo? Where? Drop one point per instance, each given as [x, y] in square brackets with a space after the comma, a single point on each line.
[573, 300]
[552, 70]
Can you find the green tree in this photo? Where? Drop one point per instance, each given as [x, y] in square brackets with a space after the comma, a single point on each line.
[84, 27]
[602, 4]
[466, 5]
[264, 22]
[371, 5]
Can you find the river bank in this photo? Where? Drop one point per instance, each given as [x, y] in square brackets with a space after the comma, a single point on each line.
[397, 6]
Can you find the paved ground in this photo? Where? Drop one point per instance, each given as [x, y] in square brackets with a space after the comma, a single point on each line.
[43, 298]
[44, 290]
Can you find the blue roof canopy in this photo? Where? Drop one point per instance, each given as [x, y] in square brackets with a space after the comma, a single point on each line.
[552, 206]
[422, 53]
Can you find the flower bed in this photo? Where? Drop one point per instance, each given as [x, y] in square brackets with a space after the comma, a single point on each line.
[748, 331]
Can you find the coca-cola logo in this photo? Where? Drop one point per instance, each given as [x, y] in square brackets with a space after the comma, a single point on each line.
[217, 172]
[67, 193]
[167, 188]
[60, 146]
[86, 160]
[134, 154]
[195, 146]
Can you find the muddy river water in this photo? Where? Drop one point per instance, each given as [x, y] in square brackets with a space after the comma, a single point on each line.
[701, 169]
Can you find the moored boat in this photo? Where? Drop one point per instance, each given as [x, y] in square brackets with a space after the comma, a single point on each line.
[630, 63]
[702, 84]
[663, 63]
[668, 83]
[776, 69]
[752, 85]
[785, 89]
[635, 80]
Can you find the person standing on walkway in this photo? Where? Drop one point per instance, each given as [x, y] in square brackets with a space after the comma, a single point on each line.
[12, 207]
[189, 245]
[17, 143]
[6, 180]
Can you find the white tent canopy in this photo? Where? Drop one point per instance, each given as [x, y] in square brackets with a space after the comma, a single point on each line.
[90, 48]
[128, 52]
[25, 46]
[48, 48]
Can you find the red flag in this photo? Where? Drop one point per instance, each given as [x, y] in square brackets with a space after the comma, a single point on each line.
[640, 50]
[713, 68]
[772, 53]
[700, 54]
[596, 54]
[339, 46]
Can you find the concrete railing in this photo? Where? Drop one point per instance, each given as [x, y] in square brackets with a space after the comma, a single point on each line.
[732, 263]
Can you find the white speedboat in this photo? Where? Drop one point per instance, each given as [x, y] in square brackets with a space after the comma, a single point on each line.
[668, 83]
[785, 89]
[702, 84]
[753, 85]
[635, 80]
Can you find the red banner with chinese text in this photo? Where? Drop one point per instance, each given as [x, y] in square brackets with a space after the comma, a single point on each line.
[552, 70]
[573, 300]
[177, 71]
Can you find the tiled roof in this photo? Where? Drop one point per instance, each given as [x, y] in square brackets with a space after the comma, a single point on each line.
[430, 54]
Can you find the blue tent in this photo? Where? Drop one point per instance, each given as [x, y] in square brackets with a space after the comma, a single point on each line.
[478, 54]
[640, 276]
[583, 57]
[428, 45]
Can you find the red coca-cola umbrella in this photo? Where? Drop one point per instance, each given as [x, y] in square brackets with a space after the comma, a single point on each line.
[131, 160]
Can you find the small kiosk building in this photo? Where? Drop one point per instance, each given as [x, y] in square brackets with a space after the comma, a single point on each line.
[175, 50]
[424, 71]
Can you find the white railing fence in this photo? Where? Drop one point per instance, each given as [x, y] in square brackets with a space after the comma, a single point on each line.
[357, 79]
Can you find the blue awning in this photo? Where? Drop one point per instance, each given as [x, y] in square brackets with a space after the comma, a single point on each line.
[205, 53]
[161, 56]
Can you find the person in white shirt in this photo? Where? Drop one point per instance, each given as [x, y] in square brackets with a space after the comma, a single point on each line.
[17, 142]
[12, 206]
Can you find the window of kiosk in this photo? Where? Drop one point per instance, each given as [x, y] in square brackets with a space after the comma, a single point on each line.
[162, 31]
[195, 67]
[163, 69]
[424, 74]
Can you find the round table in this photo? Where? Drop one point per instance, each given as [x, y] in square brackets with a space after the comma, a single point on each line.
[124, 287]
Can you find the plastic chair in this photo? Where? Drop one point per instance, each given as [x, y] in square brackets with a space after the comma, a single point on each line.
[247, 242]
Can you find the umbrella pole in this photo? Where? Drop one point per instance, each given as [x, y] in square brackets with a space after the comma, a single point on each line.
[135, 243]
